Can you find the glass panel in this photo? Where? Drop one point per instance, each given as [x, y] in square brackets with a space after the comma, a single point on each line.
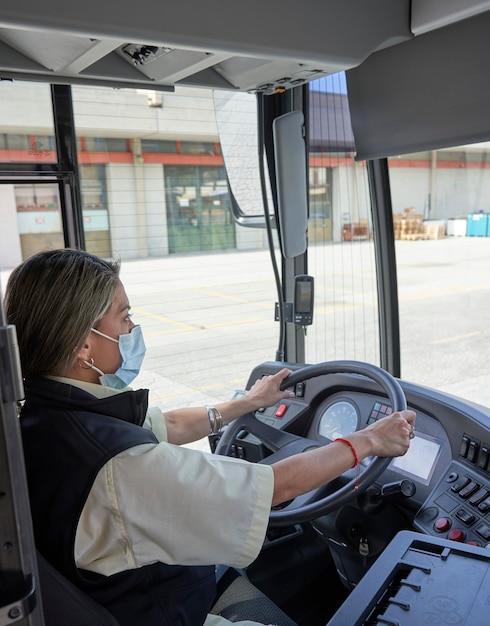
[26, 123]
[104, 144]
[236, 117]
[94, 210]
[31, 220]
[18, 142]
[341, 251]
[441, 206]
[194, 147]
[156, 145]
[200, 286]
[198, 211]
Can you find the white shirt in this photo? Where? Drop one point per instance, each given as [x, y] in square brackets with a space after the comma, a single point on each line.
[168, 503]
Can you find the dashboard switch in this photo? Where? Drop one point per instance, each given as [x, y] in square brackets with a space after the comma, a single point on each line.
[465, 442]
[484, 506]
[484, 531]
[456, 534]
[458, 486]
[281, 410]
[299, 390]
[465, 517]
[482, 462]
[473, 449]
[478, 497]
[469, 490]
[442, 524]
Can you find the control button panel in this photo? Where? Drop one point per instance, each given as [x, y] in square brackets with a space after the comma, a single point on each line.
[459, 507]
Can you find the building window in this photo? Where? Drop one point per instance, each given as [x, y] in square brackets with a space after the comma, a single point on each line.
[197, 147]
[158, 146]
[198, 211]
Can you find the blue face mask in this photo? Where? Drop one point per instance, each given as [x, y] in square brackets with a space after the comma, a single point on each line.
[132, 348]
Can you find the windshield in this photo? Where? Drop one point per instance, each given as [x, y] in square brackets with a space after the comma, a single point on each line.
[340, 235]
[154, 193]
[441, 201]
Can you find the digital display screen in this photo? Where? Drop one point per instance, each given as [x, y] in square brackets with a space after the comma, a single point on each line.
[420, 460]
[303, 297]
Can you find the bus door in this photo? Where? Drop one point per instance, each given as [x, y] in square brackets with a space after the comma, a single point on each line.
[36, 215]
[39, 179]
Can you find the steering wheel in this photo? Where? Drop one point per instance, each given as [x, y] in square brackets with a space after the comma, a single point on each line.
[315, 503]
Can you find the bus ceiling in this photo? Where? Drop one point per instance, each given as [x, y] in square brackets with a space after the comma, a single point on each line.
[428, 93]
[248, 46]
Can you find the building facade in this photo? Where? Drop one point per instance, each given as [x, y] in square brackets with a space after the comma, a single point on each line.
[153, 178]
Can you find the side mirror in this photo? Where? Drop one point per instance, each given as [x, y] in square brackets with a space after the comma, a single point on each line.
[292, 193]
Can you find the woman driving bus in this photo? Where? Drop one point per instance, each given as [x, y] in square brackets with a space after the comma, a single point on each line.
[119, 506]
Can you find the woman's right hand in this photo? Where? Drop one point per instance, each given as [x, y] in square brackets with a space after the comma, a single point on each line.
[388, 436]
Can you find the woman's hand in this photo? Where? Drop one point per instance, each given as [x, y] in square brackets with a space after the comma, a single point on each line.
[191, 424]
[388, 436]
[266, 390]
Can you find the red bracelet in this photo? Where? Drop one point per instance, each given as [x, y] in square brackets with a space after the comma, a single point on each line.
[356, 459]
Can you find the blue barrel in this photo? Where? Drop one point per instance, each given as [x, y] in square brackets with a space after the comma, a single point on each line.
[477, 225]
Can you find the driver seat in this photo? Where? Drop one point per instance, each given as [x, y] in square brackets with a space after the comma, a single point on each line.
[64, 603]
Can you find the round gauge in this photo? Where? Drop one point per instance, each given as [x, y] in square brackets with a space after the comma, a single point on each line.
[338, 420]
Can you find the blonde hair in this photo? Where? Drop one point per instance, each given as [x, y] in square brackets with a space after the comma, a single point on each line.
[54, 298]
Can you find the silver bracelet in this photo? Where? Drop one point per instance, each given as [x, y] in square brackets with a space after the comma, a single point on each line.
[215, 420]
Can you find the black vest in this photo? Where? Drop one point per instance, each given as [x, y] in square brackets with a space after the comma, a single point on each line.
[68, 436]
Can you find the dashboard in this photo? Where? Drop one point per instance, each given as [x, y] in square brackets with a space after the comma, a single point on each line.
[448, 462]
[342, 414]
[422, 525]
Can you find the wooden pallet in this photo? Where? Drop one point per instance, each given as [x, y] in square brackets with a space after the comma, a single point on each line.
[434, 231]
[413, 236]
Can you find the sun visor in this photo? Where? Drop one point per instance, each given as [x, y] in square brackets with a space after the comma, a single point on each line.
[426, 93]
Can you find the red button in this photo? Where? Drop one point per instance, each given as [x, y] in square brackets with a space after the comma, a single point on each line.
[442, 524]
[281, 409]
[456, 535]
